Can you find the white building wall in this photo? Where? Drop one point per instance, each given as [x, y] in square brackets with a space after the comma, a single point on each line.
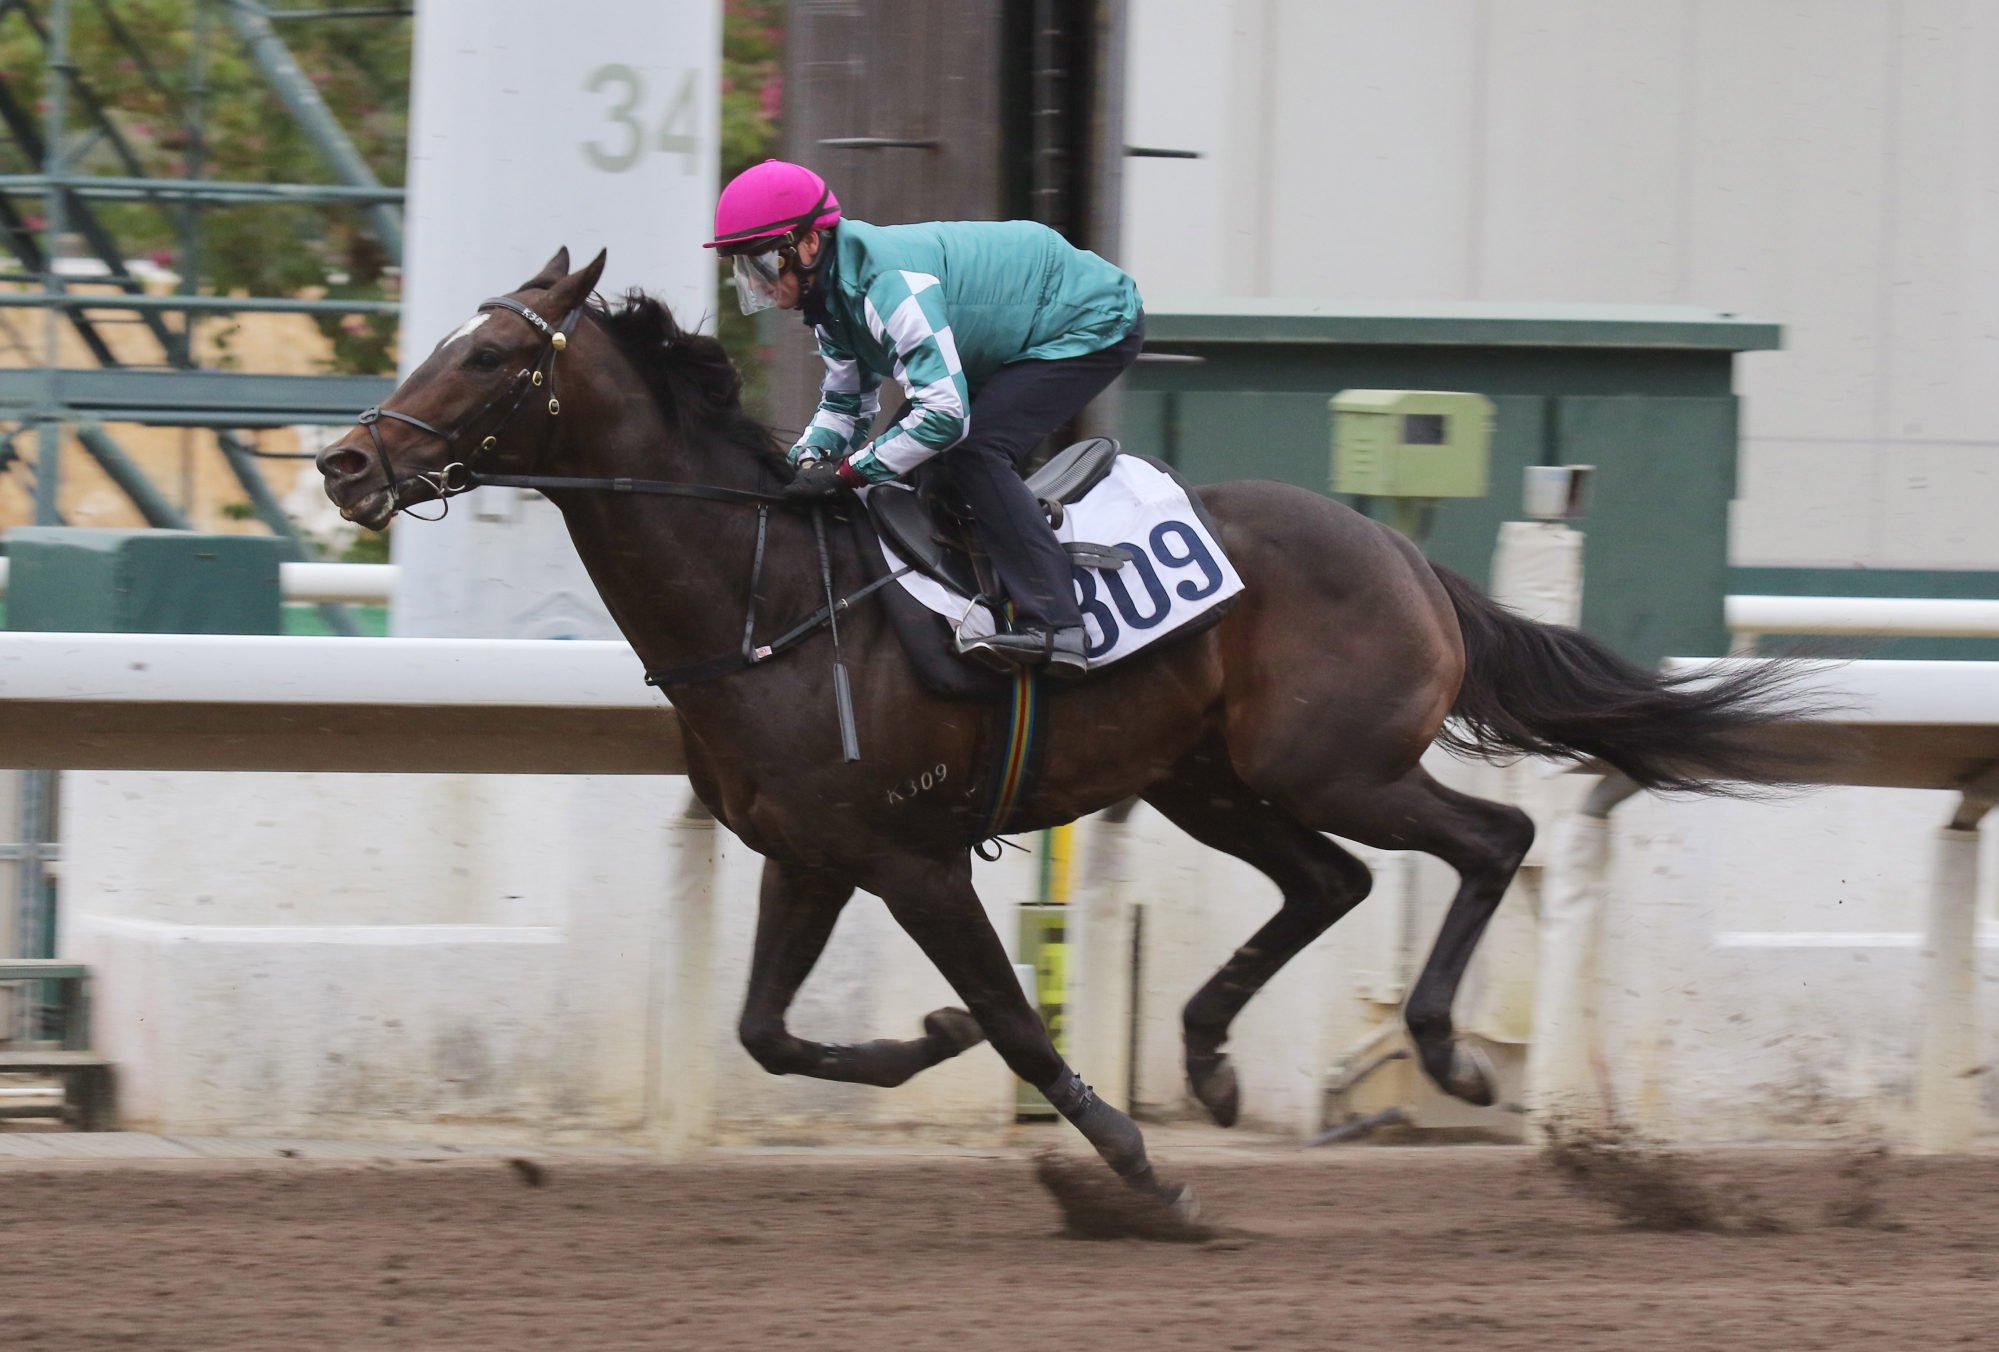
[1825, 165]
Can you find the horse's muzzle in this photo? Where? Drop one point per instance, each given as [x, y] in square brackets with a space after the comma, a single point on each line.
[354, 483]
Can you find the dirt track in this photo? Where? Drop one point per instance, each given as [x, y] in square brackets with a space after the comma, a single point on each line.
[1355, 1249]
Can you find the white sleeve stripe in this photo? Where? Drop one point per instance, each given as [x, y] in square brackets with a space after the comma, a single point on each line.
[941, 398]
[901, 452]
[837, 423]
[919, 282]
[947, 346]
[842, 377]
[909, 326]
[875, 325]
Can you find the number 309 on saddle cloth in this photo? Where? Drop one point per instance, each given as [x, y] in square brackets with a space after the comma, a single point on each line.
[1177, 572]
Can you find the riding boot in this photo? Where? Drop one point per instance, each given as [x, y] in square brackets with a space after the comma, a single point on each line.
[1064, 653]
[1033, 571]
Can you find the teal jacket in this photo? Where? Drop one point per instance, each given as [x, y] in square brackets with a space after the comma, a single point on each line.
[940, 308]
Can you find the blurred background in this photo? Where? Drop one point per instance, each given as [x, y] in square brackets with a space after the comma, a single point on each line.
[1735, 257]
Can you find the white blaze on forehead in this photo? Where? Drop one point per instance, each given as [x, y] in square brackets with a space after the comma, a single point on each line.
[463, 329]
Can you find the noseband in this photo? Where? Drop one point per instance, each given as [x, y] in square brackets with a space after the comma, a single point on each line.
[463, 475]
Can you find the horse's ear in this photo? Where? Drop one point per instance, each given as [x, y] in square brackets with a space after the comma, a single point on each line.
[574, 289]
[553, 271]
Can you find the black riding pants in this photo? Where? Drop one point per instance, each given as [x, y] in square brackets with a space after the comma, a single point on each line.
[1010, 415]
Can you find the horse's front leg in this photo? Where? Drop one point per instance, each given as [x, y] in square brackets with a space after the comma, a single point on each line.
[795, 914]
[935, 904]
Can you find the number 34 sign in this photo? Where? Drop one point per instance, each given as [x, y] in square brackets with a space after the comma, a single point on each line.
[661, 116]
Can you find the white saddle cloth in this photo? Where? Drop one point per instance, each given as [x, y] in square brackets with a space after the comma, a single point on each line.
[1176, 575]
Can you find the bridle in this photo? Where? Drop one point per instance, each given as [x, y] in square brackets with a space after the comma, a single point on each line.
[461, 476]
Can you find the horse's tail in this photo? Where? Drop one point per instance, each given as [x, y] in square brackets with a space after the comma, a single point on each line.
[1553, 691]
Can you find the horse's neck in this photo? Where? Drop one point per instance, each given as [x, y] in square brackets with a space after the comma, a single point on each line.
[675, 572]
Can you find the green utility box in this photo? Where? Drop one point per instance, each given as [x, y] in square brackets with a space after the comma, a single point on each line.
[1411, 443]
[1238, 389]
[74, 580]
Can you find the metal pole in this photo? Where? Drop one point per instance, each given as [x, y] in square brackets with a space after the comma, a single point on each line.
[151, 502]
[275, 60]
[48, 460]
[197, 157]
[35, 928]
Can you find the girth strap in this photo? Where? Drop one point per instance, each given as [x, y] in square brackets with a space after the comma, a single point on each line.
[756, 656]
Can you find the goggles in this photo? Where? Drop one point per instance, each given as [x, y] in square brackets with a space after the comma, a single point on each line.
[756, 279]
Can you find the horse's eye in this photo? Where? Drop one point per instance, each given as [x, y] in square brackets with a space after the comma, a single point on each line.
[485, 359]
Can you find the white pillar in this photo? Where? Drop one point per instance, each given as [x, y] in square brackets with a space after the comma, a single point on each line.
[1537, 571]
[527, 135]
[1946, 1084]
[683, 1022]
[1100, 978]
[1565, 1075]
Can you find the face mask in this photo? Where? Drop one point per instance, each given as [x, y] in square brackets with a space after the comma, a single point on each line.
[756, 281]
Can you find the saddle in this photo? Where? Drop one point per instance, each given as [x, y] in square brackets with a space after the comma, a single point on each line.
[932, 533]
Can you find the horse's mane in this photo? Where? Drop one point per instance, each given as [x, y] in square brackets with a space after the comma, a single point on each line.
[689, 374]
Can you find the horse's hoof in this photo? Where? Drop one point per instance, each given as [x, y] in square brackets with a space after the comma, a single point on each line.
[953, 1030]
[1470, 1075]
[1214, 1084]
[1182, 1203]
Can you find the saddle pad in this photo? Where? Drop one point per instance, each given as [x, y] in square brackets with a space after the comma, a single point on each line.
[1177, 572]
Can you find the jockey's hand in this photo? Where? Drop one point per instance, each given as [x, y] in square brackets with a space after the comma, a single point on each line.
[814, 482]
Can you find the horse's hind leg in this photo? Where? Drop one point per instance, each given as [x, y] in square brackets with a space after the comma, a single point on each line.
[1483, 841]
[795, 915]
[1320, 883]
[933, 901]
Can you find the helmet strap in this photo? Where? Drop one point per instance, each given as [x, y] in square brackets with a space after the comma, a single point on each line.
[807, 272]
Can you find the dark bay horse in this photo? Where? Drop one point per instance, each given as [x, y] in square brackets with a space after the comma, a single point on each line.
[1304, 713]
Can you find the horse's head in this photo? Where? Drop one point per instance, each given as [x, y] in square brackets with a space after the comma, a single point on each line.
[485, 398]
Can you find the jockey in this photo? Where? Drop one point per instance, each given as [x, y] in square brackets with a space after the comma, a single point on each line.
[999, 332]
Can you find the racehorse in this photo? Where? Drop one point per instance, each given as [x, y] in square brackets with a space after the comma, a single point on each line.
[1303, 713]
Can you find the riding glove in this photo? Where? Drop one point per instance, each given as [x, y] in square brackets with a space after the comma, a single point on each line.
[815, 482]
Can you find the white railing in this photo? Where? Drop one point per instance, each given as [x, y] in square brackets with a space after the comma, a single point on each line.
[384, 705]
[1750, 617]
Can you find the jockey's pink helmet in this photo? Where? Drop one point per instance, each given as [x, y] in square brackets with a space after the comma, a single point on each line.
[775, 201]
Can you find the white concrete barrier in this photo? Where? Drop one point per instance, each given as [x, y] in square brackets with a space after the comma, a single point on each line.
[1921, 725]
[485, 955]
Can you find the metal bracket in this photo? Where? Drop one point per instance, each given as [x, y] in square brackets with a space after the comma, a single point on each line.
[1978, 795]
[880, 143]
[1607, 793]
